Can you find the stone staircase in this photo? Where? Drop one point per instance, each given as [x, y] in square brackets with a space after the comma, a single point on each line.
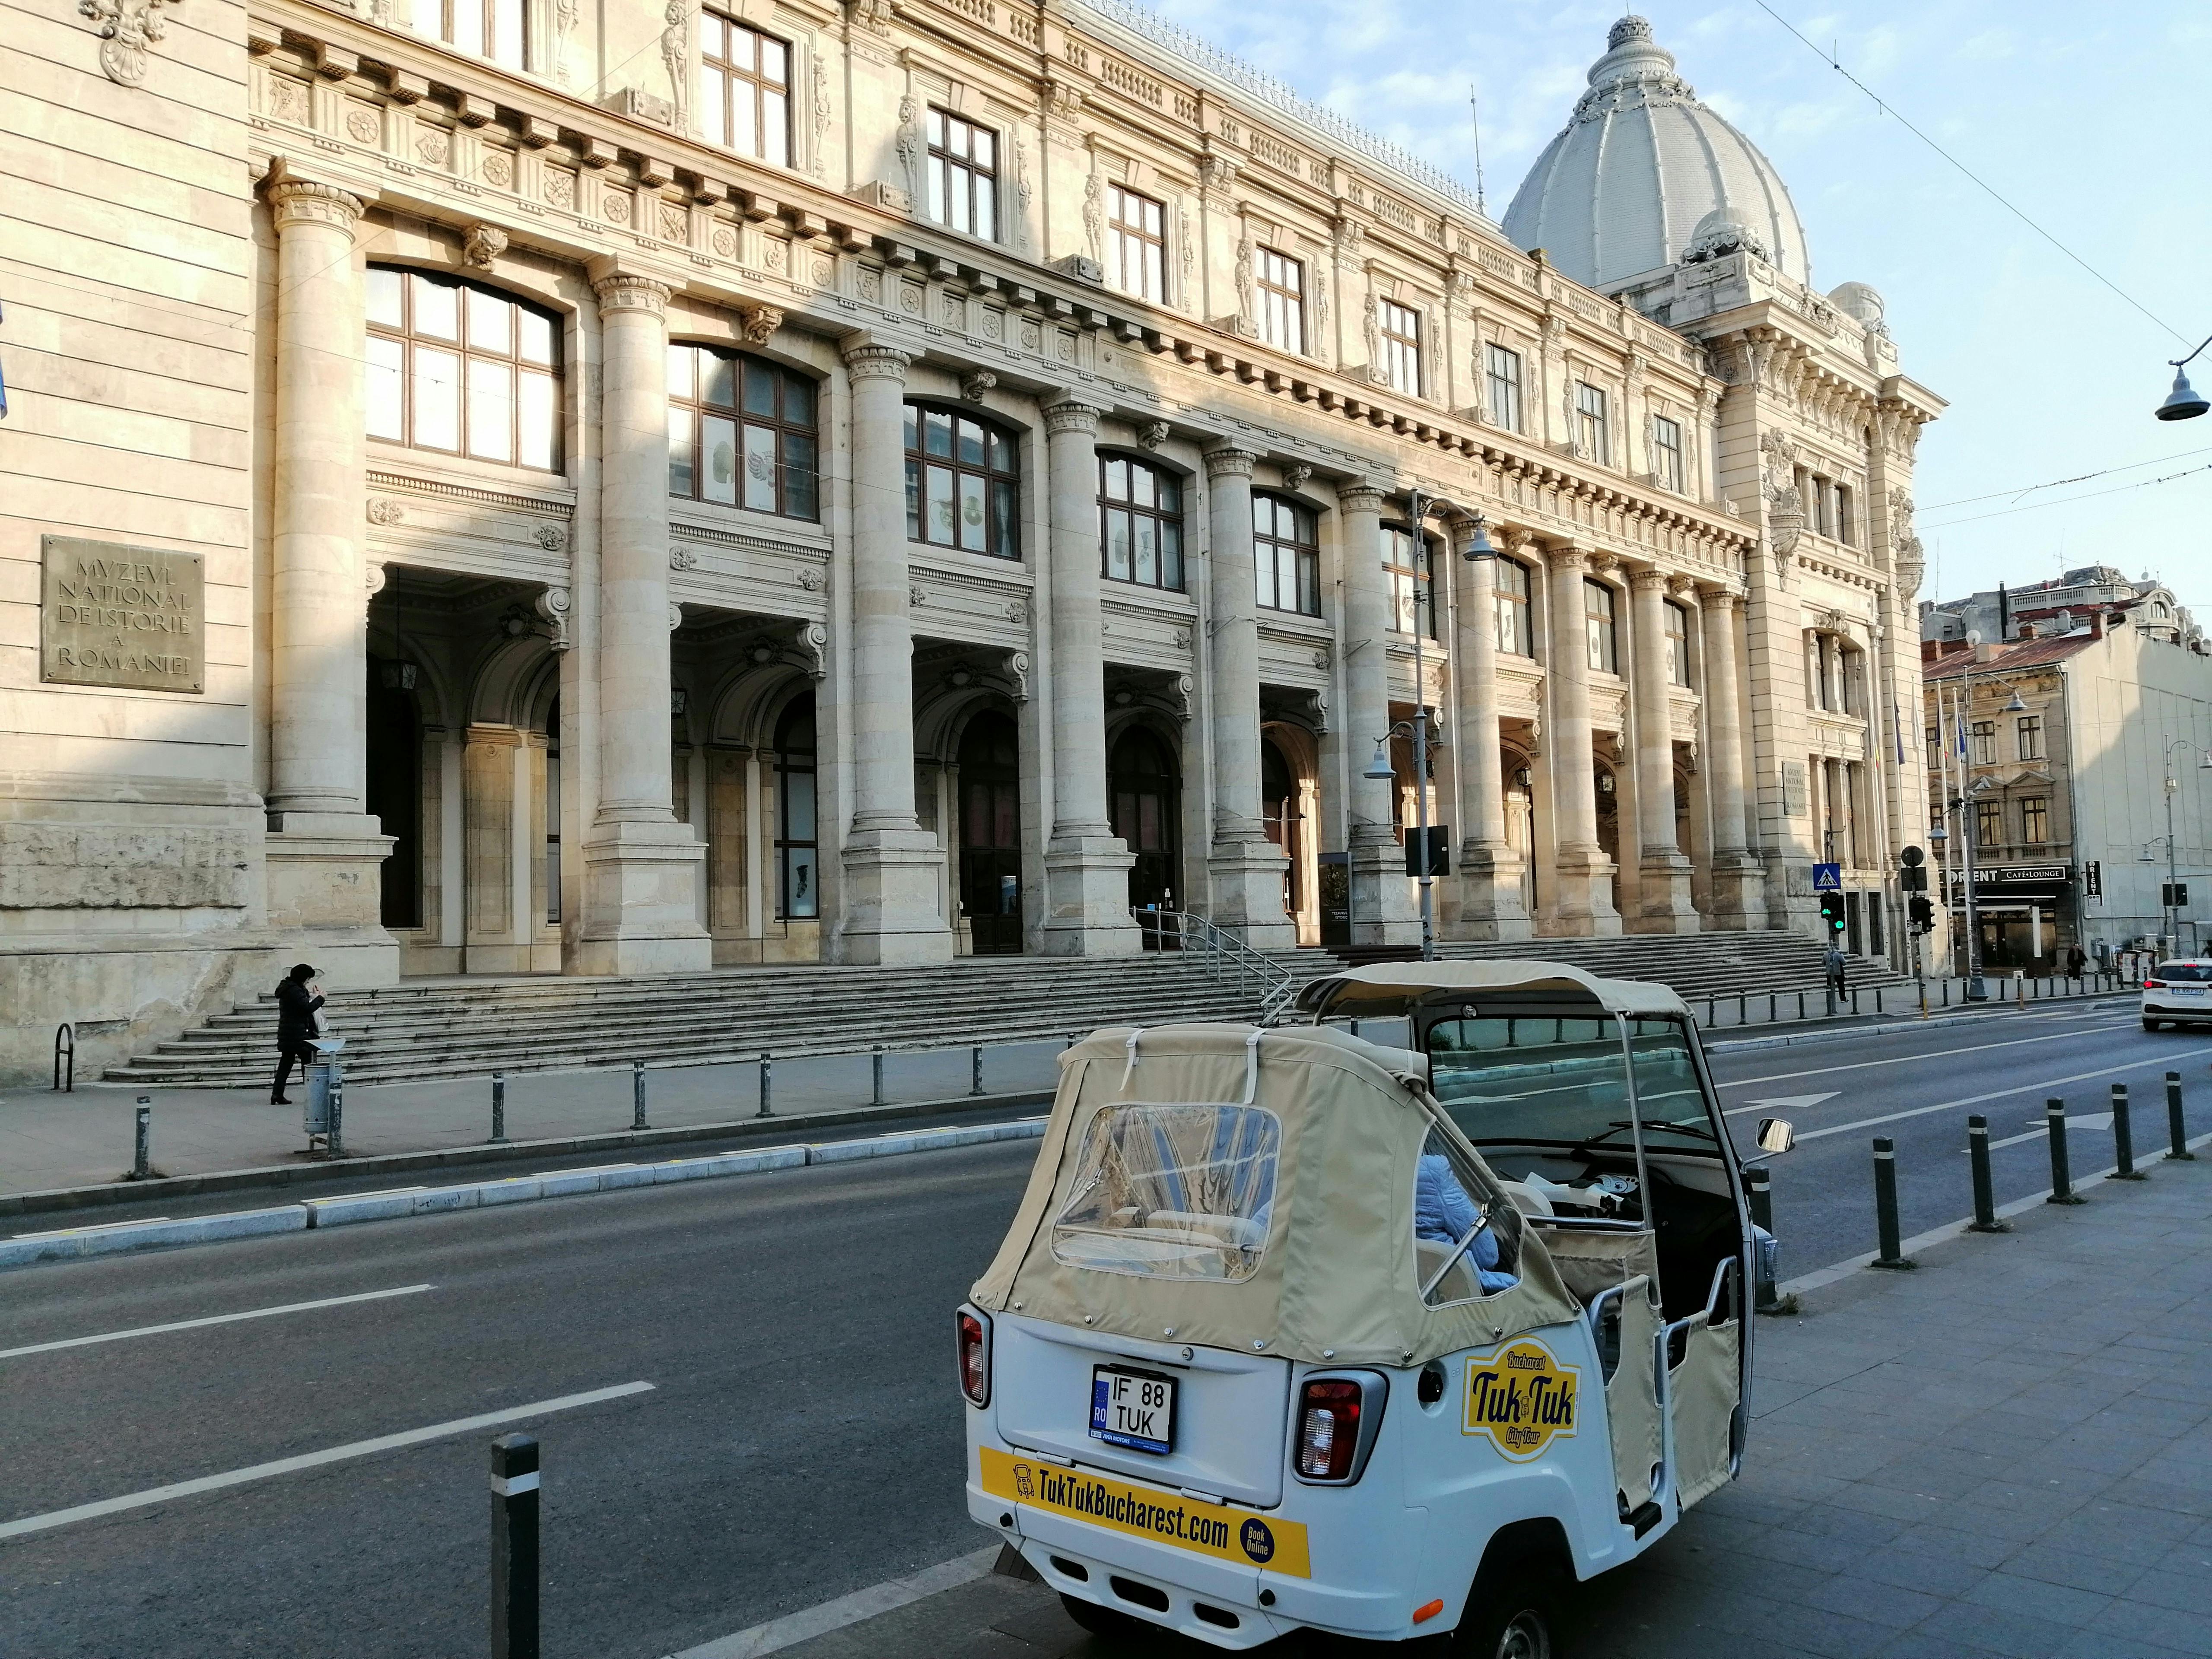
[431, 1029]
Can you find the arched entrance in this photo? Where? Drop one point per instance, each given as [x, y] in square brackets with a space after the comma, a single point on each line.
[1521, 819]
[1145, 784]
[394, 786]
[991, 835]
[798, 846]
[1279, 802]
[1607, 787]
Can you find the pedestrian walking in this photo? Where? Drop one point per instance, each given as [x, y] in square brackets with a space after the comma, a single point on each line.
[2077, 960]
[298, 997]
[1838, 968]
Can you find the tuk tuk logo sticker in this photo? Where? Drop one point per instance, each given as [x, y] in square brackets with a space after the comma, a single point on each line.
[1215, 1530]
[1523, 1398]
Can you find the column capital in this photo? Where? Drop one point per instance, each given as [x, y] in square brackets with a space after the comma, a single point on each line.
[1567, 556]
[303, 202]
[1229, 462]
[1718, 599]
[867, 360]
[627, 290]
[1072, 415]
[1648, 582]
[1358, 495]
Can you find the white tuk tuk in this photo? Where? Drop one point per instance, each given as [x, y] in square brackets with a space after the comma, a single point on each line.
[1294, 1330]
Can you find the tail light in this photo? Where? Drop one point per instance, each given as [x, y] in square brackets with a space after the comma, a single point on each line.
[2154, 985]
[974, 1357]
[1337, 1419]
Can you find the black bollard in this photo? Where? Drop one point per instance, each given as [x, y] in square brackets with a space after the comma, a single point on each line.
[514, 1548]
[975, 1069]
[1884, 1205]
[2062, 1168]
[1760, 1193]
[499, 1105]
[767, 1073]
[2177, 1128]
[2124, 1138]
[637, 1094]
[1986, 1204]
[876, 1077]
[141, 1165]
[334, 1142]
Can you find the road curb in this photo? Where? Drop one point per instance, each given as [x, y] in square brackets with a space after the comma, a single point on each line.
[316, 1213]
[1827, 1033]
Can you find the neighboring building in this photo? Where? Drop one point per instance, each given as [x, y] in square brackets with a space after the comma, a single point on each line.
[2056, 754]
[626, 489]
[2059, 605]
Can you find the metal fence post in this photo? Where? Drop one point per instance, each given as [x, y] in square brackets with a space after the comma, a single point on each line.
[975, 1070]
[334, 1142]
[142, 1154]
[637, 1094]
[1986, 1204]
[514, 1548]
[2124, 1138]
[2177, 1128]
[2062, 1173]
[767, 1074]
[499, 1105]
[876, 1077]
[1884, 1205]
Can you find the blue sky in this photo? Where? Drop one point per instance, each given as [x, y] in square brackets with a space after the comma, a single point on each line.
[2093, 120]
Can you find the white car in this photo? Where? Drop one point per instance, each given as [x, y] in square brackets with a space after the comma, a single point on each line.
[2176, 993]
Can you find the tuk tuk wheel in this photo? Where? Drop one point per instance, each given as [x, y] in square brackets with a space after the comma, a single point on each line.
[1509, 1610]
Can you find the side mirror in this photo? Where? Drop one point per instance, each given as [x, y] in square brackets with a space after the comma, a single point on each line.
[1776, 1135]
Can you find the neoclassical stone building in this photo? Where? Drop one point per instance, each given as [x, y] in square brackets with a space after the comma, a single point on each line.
[502, 486]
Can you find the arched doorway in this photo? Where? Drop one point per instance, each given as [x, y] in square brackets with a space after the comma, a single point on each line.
[1146, 786]
[1608, 820]
[1521, 819]
[394, 787]
[798, 846]
[991, 835]
[1279, 800]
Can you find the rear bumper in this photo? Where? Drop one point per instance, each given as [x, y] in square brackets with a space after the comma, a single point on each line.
[2190, 1009]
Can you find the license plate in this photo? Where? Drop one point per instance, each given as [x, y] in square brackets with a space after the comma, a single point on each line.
[1132, 1408]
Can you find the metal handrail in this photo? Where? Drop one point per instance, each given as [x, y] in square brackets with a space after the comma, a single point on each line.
[1224, 951]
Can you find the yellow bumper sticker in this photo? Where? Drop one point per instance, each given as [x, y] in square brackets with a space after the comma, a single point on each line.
[1523, 1398]
[1236, 1536]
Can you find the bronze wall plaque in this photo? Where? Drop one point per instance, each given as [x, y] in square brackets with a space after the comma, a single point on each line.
[129, 616]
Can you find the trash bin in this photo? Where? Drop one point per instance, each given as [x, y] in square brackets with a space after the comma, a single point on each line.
[323, 1071]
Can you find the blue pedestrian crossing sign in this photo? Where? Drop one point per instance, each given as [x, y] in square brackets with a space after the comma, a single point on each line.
[1827, 877]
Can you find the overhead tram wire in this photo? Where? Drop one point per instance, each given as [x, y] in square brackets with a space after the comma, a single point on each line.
[1833, 62]
[2056, 483]
[2037, 507]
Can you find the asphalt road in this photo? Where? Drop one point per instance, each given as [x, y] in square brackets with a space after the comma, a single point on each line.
[799, 1440]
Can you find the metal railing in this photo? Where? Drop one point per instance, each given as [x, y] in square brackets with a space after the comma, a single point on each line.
[1225, 953]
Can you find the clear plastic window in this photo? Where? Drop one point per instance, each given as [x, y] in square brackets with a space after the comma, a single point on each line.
[1467, 1233]
[1172, 1192]
[1538, 1080]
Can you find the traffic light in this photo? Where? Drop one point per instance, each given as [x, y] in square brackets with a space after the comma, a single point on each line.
[1923, 912]
[1832, 912]
[2174, 895]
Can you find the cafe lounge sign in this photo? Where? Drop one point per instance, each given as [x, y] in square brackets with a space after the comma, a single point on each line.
[131, 617]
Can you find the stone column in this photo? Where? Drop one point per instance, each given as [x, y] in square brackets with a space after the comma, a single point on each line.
[1244, 869]
[325, 853]
[893, 867]
[640, 866]
[1490, 905]
[1738, 880]
[1385, 903]
[1665, 906]
[1086, 864]
[1582, 894]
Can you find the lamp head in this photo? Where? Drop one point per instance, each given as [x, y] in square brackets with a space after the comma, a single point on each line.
[1479, 545]
[1379, 767]
[2182, 403]
[2015, 707]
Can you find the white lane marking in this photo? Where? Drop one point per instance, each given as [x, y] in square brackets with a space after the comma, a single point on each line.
[1907, 1059]
[804, 1626]
[1994, 1094]
[1792, 1102]
[312, 1460]
[99, 1227]
[212, 1319]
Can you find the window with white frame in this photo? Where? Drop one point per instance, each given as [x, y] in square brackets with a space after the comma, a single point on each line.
[497, 29]
[745, 89]
[963, 175]
[1667, 452]
[1136, 243]
[1502, 376]
[1593, 423]
[1400, 327]
[1600, 634]
[458, 367]
[1678, 642]
[1410, 562]
[1515, 634]
[1281, 282]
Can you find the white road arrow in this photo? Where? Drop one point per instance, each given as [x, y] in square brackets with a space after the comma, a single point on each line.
[1787, 1103]
[2041, 1131]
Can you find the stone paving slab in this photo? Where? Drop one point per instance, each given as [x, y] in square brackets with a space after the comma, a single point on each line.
[2007, 1453]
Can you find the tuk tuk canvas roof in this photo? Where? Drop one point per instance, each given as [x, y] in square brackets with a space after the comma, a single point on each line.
[1338, 1270]
[1634, 997]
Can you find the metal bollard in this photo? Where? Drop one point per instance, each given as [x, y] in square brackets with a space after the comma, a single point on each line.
[876, 1077]
[2177, 1128]
[1877, 1001]
[334, 1142]
[637, 1094]
[767, 1074]
[142, 1166]
[1855, 1000]
[975, 1069]
[1884, 1205]
[1070, 1044]
[1758, 1193]
[514, 1548]
[1986, 1204]
[1742, 1006]
[2062, 1171]
[2124, 1138]
[499, 1106]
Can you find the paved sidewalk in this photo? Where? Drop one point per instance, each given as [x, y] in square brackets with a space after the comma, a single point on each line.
[2008, 1452]
[49, 1140]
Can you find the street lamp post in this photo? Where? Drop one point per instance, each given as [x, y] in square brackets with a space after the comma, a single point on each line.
[2173, 872]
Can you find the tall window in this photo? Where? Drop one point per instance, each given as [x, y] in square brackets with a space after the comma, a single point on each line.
[745, 88]
[1845, 531]
[1400, 328]
[963, 175]
[1598, 628]
[961, 483]
[1287, 548]
[1409, 562]
[1935, 748]
[1140, 523]
[1989, 823]
[1984, 736]
[1593, 426]
[2035, 820]
[463, 369]
[1502, 374]
[1678, 643]
[1282, 284]
[1136, 243]
[482, 28]
[1667, 452]
[2030, 736]
[1515, 635]
[741, 432]
[798, 851]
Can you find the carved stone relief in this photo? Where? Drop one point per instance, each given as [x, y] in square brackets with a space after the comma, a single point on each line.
[127, 28]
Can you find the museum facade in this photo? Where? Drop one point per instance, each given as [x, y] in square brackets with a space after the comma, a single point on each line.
[504, 487]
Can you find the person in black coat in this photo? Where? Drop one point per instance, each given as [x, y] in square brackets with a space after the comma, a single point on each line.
[297, 999]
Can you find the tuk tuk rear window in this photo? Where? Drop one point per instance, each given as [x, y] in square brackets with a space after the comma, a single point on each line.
[1172, 1191]
[1524, 1078]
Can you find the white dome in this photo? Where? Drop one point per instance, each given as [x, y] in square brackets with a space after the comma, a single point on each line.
[1641, 168]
